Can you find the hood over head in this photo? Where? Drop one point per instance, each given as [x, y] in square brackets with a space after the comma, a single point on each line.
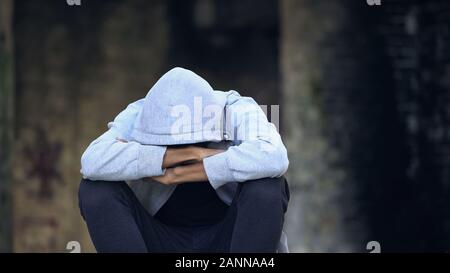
[181, 108]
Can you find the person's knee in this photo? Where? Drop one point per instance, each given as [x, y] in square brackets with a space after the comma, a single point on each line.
[95, 195]
[269, 192]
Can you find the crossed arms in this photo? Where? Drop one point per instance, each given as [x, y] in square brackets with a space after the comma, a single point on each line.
[184, 165]
[114, 157]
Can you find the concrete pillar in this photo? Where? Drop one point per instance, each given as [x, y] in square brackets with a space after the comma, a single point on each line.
[89, 65]
[336, 102]
[6, 121]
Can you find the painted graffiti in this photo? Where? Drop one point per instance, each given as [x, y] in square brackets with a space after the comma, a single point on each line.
[44, 155]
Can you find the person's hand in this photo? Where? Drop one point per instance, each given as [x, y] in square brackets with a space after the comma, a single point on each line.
[168, 178]
[202, 153]
[185, 165]
[183, 174]
[187, 155]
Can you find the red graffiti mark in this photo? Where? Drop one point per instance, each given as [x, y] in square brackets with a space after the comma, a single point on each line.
[44, 156]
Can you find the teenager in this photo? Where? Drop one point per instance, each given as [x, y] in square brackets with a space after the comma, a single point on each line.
[186, 169]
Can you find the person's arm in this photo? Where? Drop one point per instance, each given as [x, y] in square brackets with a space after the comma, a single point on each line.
[260, 151]
[189, 154]
[112, 158]
[183, 174]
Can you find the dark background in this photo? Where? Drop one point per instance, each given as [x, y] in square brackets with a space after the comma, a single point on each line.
[364, 94]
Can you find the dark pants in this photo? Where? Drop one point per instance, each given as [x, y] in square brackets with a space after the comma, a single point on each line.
[117, 221]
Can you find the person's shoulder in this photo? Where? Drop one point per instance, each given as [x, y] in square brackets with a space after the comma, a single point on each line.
[136, 104]
[124, 120]
[236, 99]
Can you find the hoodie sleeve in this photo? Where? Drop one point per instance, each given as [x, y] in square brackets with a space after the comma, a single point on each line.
[259, 152]
[110, 158]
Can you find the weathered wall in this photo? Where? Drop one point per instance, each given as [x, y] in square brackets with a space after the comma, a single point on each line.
[340, 122]
[367, 95]
[79, 66]
[365, 106]
[417, 39]
[230, 43]
[6, 121]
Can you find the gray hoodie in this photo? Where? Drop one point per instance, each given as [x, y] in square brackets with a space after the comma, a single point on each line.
[183, 108]
[180, 92]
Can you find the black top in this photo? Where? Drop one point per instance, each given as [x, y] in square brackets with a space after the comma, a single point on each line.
[192, 204]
